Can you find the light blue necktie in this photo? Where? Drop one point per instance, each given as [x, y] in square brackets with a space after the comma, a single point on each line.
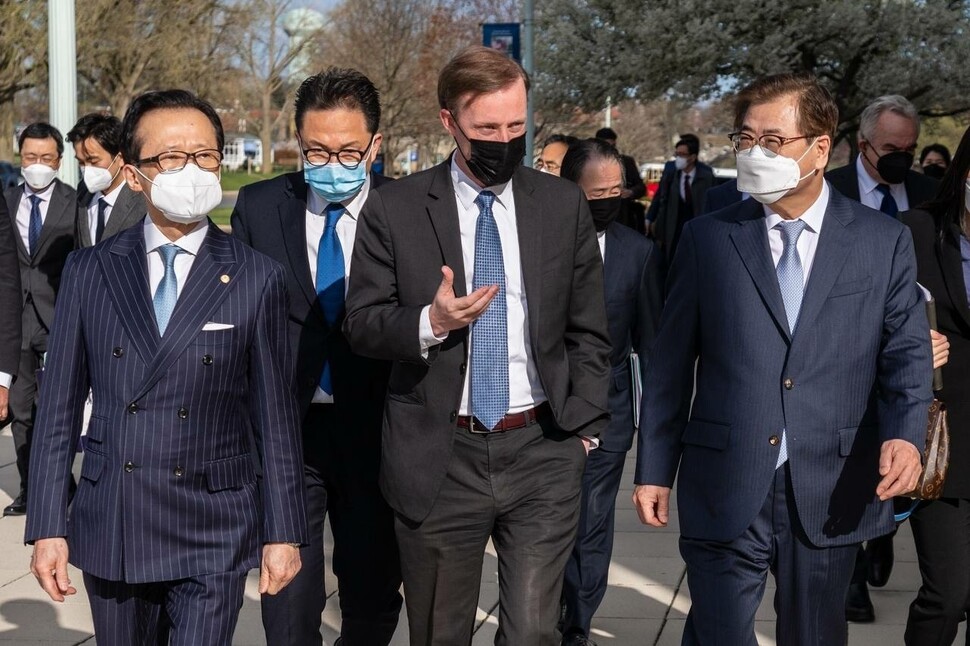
[791, 280]
[490, 344]
[34, 225]
[167, 292]
[330, 279]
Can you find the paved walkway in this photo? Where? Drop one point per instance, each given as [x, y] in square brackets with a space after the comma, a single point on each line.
[645, 606]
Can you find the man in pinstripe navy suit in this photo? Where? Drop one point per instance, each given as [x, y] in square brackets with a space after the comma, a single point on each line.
[180, 333]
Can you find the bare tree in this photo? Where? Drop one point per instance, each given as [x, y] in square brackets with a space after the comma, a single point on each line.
[23, 59]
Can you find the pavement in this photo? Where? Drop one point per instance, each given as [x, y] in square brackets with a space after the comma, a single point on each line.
[646, 604]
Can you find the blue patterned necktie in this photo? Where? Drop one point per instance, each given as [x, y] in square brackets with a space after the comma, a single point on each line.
[102, 211]
[34, 225]
[791, 280]
[330, 279]
[167, 292]
[888, 204]
[490, 344]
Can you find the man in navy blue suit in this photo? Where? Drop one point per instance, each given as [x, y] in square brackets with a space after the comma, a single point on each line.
[305, 220]
[633, 284]
[792, 379]
[192, 471]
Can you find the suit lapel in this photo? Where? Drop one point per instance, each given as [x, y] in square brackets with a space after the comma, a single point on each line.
[528, 225]
[613, 260]
[443, 211]
[951, 261]
[128, 209]
[125, 269]
[82, 230]
[292, 215]
[58, 215]
[205, 289]
[751, 241]
[13, 206]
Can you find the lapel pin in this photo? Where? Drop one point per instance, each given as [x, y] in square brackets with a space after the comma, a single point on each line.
[224, 278]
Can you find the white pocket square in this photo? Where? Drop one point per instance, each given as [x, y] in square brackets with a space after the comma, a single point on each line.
[214, 327]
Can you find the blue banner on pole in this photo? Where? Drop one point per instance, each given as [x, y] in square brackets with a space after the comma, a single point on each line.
[503, 37]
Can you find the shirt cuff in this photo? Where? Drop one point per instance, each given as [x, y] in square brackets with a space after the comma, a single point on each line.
[426, 336]
[594, 442]
[5, 380]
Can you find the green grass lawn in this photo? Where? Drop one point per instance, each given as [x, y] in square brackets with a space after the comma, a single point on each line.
[235, 181]
[221, 216]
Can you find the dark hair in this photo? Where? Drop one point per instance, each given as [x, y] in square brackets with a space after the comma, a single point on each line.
[42, 130]
[474, 71]
[584, 151]
[949, 205]
[940, 149]
[338, 87]
[606, 133]
[817, 112]
[163, 100]
[557, 138]
[103, 128]
[691, 141]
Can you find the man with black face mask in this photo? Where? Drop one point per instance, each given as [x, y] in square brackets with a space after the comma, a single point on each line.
[480, 280]
[882, 178]
[633, 281]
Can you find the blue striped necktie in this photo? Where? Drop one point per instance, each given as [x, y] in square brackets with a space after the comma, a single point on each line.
[330, 279]
[167, 293]
[34, 225]
[490, 344]
[791, 280]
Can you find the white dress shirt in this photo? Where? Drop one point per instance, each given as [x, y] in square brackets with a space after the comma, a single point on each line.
[316, 222]
[110, 198]
[807, 241]
[872, 198]
[525, 390]
[601, 241]
[189, 243]
[23, 210]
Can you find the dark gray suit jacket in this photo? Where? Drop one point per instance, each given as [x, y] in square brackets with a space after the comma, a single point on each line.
[407, 231]
[40, 274]
[10, 299]
[919, 187]
[721, 196]
[129, 209]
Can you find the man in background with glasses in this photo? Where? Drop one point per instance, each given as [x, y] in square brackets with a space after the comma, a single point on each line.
[800, 311]
[308, 221]
[42, 215]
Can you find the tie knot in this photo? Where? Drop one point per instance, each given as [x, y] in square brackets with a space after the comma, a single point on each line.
[791, 229]
[485, 200]
[883, 189]
[102, 203]
[34, 200]
[334, 211]
[168, 253]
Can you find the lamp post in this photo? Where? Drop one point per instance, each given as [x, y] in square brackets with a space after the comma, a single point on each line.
[62, 81]
[528, 63]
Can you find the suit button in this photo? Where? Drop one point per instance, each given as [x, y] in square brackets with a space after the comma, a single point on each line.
[129, 467]
[789, 384]
[773, 440]
[117, 353]
[132, 408]
[207, 360]
[178, 472]
[453, 416]
[463, 368]
[183, 413]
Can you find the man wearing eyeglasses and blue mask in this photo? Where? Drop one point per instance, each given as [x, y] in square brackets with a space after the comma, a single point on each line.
[308, 221]
[791, 382]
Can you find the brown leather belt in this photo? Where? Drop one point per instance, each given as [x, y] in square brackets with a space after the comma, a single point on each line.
[510, 422]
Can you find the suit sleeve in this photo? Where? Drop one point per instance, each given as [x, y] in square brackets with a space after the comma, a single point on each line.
[377, 325]
[276, 419]
[11, 305]
[57, 429]
[237, 220]
[667, 395]
[905, 369]
[649, 308]
[660, 196]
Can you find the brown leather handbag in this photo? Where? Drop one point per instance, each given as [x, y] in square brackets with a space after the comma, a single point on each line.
[936, 455]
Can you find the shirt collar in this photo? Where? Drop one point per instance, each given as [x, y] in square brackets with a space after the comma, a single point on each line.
[317, 205]
[190, 242]
[812, 217]
[964, 248]
[866, 181]
[110, 197]
[44, 195]
[467, 189]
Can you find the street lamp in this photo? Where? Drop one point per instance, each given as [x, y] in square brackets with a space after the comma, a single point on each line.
[62, 79]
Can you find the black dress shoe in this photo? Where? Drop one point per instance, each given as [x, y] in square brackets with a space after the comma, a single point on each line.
[577, 639]
[17, 508]
[880, 553]
[858, 605]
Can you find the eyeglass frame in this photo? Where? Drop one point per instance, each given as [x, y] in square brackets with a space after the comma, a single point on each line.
[759, 141]
[330, 154]
[188, 156]
[38, 159]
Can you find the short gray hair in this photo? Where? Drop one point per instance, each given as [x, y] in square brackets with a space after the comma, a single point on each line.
[888, 103]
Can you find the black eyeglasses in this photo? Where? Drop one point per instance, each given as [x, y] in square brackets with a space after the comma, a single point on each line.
[772, 143]
[175, 160]
[348, 157]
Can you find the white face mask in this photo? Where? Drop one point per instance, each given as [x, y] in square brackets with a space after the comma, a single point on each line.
[768, 179]
[38, 176]
[186, 196]
[97, 178]
[680, 162]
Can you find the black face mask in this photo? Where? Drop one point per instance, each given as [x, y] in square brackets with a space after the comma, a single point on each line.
[604, 211]
[893, 167]
[934, 171]
[493, 162]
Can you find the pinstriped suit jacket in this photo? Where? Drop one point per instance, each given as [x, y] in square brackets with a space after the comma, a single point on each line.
[856, 373]
[181, 424]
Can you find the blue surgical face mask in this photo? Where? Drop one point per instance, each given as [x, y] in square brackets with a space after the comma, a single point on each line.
[333, 182]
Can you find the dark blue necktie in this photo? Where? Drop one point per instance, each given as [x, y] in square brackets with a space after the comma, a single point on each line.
[490, 344]
[330, 279]
[888, 204]
[102, 211]
[35, 224]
